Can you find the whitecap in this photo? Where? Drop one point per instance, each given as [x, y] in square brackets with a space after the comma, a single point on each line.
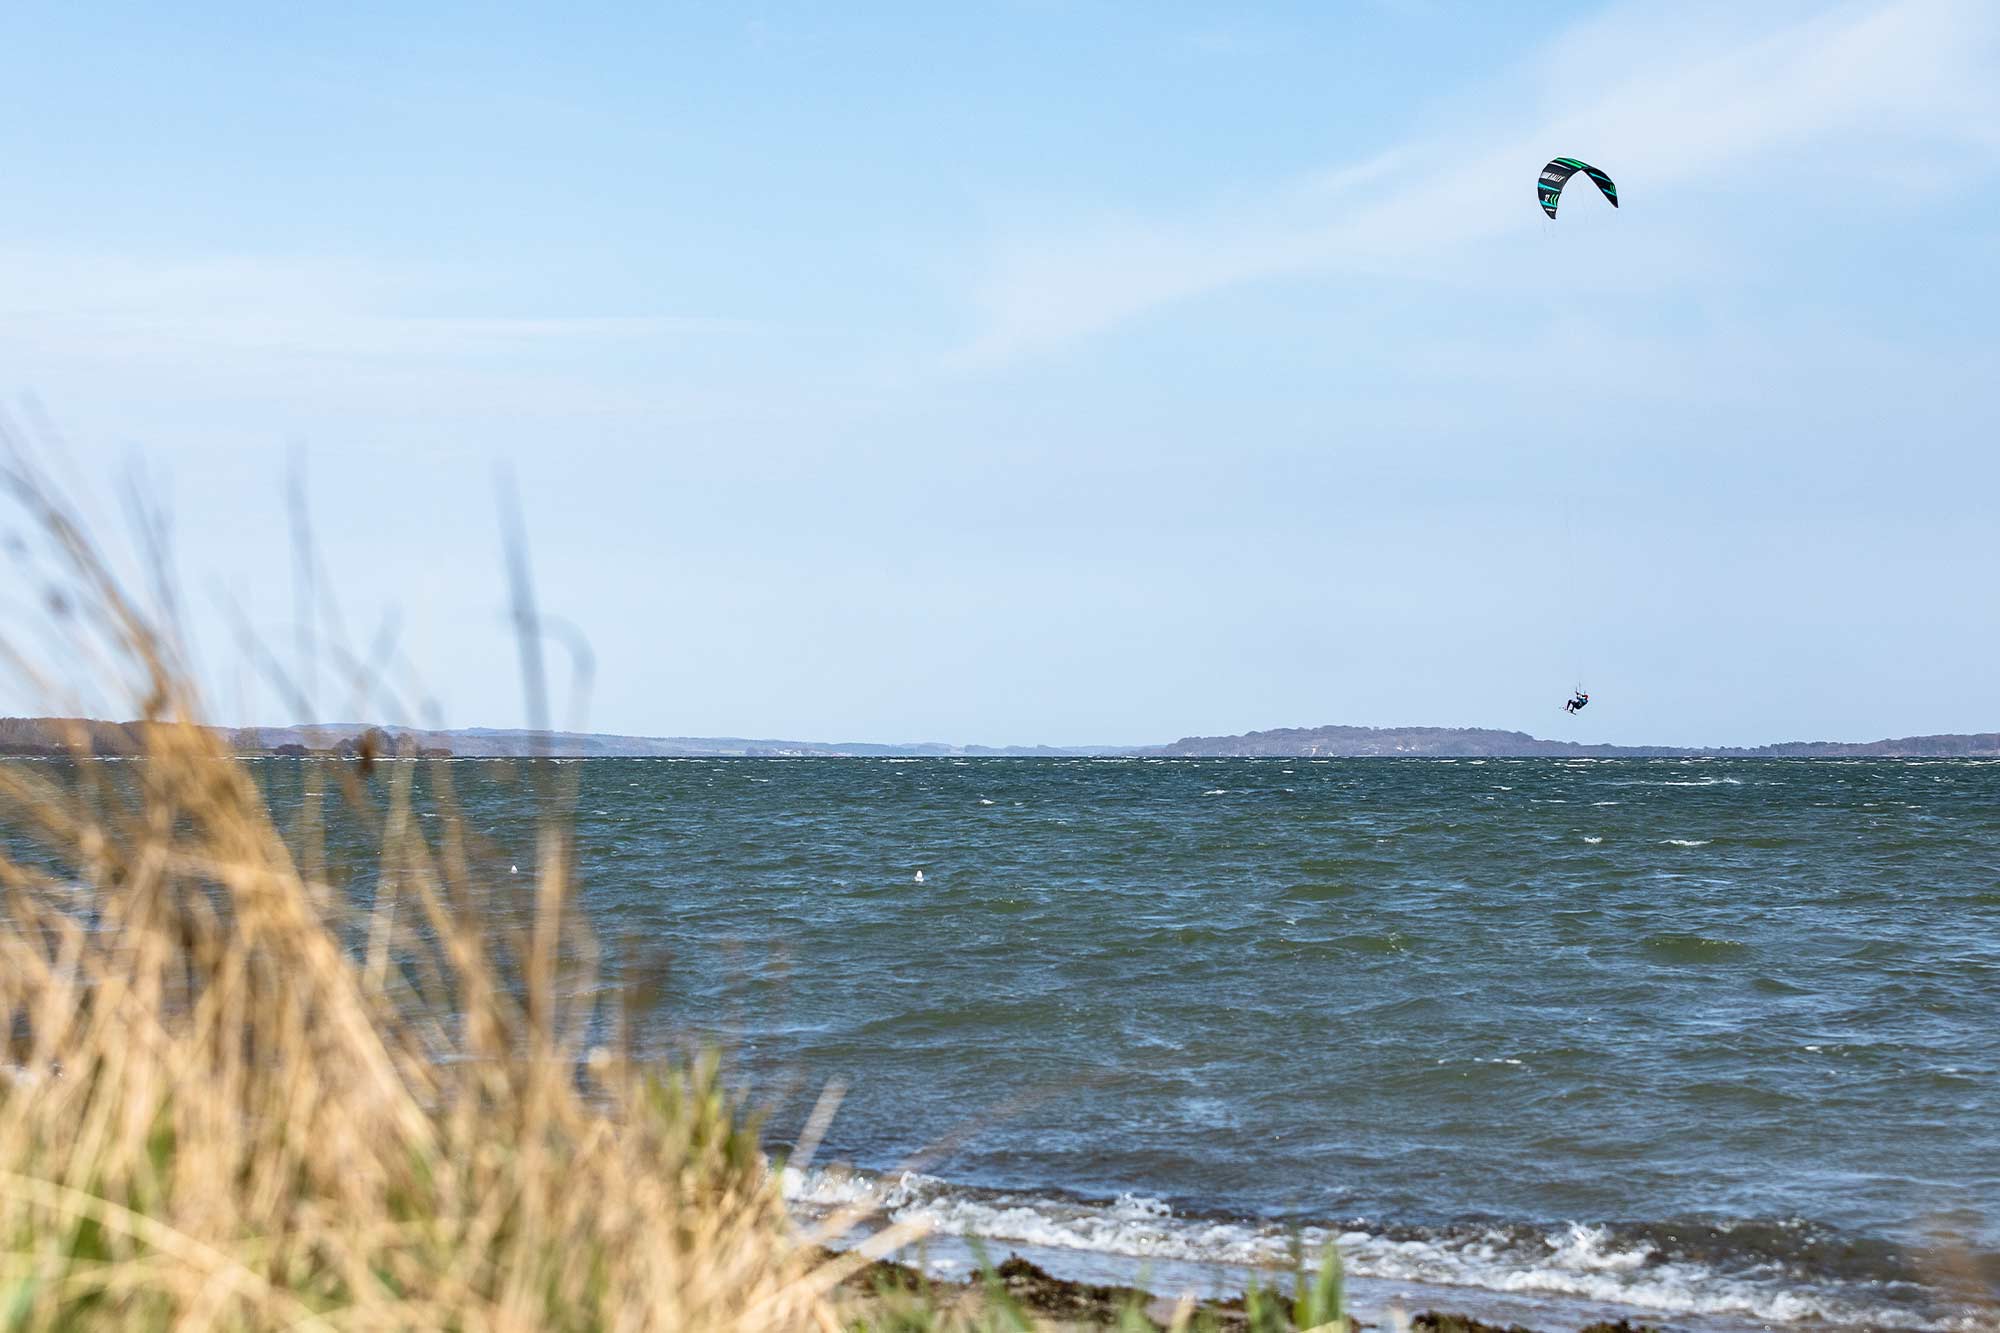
[1577, 1260]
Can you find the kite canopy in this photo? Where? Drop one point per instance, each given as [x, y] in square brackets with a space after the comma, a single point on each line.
[1550, 187]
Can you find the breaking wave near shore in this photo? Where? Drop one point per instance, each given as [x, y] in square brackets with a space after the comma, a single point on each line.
[1789, 1272]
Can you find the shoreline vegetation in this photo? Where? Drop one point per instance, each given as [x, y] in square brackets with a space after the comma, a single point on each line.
[63, 736]
[336, 1065]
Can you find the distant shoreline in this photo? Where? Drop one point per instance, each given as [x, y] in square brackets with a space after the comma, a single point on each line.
[53, 737]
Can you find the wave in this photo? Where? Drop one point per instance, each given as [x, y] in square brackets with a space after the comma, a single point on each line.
[1677, 782]
[1766, 1278]
[1682, 947]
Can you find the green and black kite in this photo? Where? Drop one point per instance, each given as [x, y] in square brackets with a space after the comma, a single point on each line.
[1550, 187]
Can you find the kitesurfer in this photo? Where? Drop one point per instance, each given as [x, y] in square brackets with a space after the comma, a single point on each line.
[1576, 703]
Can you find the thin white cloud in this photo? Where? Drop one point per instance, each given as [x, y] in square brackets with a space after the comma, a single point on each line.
[288, 340]
[311, 305]
[1667, 96]
[346, 333]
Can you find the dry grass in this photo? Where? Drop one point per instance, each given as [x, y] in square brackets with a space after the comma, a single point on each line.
[233, 1099]
[253, 1078]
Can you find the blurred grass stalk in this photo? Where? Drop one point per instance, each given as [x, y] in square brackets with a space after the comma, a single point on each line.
[232, 1098]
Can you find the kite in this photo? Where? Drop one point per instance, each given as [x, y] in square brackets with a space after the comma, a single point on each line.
[1550, 187]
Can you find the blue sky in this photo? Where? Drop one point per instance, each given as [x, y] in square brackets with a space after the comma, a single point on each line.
[1051, 372]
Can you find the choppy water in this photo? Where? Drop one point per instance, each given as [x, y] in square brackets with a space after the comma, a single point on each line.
[1712, 1037]
[1714, 1041]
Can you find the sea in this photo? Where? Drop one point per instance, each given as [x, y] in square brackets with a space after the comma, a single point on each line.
[1709, 1043]
[1695, 1041]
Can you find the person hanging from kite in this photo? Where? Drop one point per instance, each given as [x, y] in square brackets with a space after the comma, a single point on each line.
[1576, 702]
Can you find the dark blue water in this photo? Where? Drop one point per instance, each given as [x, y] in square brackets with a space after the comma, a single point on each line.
[1715, 1036]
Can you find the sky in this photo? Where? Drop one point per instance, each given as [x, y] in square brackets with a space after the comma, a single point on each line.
[1038, 372]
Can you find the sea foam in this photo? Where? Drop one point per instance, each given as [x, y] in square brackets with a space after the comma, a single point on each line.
[1579, 1260]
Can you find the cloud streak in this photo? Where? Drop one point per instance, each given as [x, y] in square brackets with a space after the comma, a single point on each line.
[304, 305]
[1686, 100]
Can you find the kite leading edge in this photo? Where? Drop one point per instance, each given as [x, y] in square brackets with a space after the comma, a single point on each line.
[1549, 187]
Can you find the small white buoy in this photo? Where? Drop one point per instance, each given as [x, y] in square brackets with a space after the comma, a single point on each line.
[920, 877]
[513, 869]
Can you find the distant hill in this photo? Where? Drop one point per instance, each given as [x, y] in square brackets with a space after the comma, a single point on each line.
[491, 742]
[1975, 745]
[1481, 742]
[1359, 742]
[57, 736]
[65, 735]
[52, 736]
